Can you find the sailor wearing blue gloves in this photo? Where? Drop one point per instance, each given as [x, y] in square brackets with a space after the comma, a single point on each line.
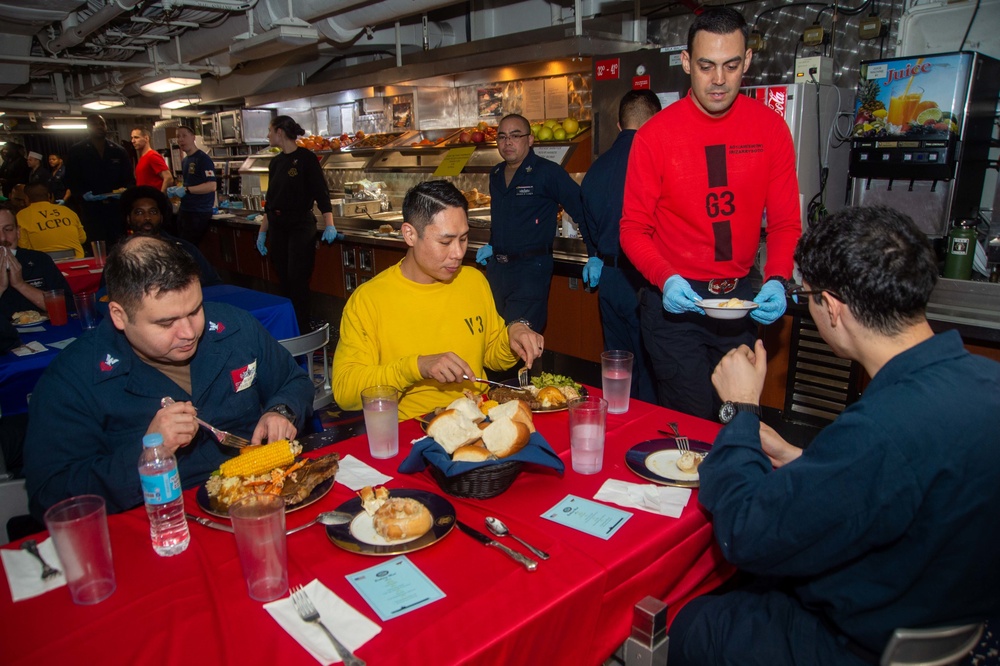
[177, 191]
[679, 297]
[295, 182]
[483, 254]
[330, 234]
[592, 272]
[771, 299]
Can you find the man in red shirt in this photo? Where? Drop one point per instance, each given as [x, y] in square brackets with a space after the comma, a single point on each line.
[701, 174]
[152, 169]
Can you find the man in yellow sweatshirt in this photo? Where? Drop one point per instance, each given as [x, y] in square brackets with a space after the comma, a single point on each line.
[426, 323]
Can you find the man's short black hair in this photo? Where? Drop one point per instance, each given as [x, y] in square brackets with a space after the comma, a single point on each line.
[876, 260]
[37, 192]
[519, 118]
[143, 266]
[133, 194]
[425, 200]
[718, 21]
[636, 107]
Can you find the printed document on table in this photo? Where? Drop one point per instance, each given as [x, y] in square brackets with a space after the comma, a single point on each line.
[395, 587]
[590, 517]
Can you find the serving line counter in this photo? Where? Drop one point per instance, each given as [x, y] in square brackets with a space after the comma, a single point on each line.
[575, 609]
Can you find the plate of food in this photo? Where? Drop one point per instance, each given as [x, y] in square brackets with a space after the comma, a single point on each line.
[276, 468]
[547, 393]
[27, 318]
[727, 308]
[660, 461]
[386, 231]
[392, 522]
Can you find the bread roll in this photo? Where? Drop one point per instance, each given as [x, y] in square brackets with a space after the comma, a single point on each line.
[468, 408]
[402, 518]
[516, 410]
[505, 437]
[476, 452]
[688, 462]
[452, 429]
[372, 499]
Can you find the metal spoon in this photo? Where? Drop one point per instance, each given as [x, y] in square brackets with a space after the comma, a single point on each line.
[496, 526]
[47, 571]
[326, 518]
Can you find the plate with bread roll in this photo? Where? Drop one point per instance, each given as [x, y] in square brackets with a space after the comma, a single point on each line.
[390, 522]
[660, 461]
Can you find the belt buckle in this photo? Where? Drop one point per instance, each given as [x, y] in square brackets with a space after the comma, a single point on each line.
[722, 285]
[501, 258]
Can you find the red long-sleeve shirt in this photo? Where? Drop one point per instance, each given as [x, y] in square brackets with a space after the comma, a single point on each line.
[697, 187]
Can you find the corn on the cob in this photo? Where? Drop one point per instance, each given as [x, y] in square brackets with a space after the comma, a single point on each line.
[259, 460]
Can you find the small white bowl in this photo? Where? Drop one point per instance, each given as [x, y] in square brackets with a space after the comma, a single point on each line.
[713, 308]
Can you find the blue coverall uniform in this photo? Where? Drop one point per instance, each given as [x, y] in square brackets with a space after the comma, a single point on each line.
[522, 229]
[603, 192]
[91, 408]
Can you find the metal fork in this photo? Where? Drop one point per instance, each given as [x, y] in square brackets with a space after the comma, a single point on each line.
[683, 443]
[225, 438]
[47, 571]
[523, 380]
[304, 607]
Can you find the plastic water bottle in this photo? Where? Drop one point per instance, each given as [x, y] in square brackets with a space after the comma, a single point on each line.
[161, 491]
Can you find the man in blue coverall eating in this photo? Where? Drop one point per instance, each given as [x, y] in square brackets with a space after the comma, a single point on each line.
[526, 191]
[97, 399]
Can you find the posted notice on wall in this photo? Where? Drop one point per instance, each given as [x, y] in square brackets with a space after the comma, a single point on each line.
[556, 97]
[533, 99]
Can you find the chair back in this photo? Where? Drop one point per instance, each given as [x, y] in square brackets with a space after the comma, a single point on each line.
[61, 254]
[305, 345]
[13, 502]
[937, 646]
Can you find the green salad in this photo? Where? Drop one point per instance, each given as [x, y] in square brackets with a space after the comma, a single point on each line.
[550, 379]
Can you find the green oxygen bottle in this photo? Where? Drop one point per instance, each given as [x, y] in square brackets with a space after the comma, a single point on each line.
[961, 250]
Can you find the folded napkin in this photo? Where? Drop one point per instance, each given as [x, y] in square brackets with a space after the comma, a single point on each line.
[356, 474]
[349, 626]
[665, 500]
[426, 450]
[24, 571]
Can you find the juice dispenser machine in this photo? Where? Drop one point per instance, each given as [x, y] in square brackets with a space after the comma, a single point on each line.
[921, 137]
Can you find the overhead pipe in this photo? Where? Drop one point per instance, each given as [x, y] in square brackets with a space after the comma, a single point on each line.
[74, 36]
[72, 62]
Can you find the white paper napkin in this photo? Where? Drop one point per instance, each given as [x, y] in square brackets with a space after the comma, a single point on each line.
[349, 626]
[665, 500]
[24, 571]
[356, 474]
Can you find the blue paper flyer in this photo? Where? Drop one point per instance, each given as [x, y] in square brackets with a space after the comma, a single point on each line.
[582, 514]
[395, 587]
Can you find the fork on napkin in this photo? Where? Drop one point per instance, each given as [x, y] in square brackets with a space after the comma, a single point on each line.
[24, 572]
[351, 627]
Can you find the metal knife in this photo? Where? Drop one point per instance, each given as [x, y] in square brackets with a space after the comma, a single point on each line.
[208, 523]
[528, 563]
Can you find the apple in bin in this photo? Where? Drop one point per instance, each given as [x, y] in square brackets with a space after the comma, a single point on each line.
[478, 137]
[465, 137]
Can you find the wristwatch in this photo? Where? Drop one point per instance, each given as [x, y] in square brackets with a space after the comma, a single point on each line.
[522, 320]
[729, 409]
[285, 411]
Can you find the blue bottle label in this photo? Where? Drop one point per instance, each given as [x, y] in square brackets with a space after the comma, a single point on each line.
[161, 488]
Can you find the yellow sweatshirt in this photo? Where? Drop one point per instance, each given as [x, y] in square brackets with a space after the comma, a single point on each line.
[390, 320]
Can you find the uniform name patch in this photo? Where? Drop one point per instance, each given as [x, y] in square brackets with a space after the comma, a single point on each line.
[243, 378]
[524, 191]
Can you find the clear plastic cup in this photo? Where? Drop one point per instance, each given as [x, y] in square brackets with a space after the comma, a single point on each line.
[587, 417]
[79, 527]
[616, 379]
[55, 307]
[259, 524]
[381, 407]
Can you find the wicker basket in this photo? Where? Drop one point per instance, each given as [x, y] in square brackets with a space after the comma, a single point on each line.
[480, 483]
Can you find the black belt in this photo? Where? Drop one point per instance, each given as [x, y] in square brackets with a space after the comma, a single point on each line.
[282, 213]
[528, 254]
[718, 285]
[616, 261]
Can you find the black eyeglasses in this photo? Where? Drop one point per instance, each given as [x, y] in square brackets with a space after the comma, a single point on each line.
[795, 292]
[514, 136]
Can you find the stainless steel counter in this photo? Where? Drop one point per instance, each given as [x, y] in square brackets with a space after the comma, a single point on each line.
[973, 308]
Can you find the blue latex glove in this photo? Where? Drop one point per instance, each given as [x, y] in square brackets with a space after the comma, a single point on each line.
[89, 196]
[254, 217]
[176, 191]
[261, 235]
[592, 271]
[61, 202]
[483, 254]
[330, 234]
[679, 297]
[772, 303]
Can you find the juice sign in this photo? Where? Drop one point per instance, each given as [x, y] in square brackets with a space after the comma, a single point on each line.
[916, 98]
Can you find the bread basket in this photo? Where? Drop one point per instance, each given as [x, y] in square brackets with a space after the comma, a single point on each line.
[480, 483]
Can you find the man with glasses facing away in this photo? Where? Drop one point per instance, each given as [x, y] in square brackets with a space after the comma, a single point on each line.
[700, 175]
[526, 191]
[888, 519]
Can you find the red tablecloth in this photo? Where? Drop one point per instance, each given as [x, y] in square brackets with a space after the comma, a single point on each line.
[575, 609]
[83, 275]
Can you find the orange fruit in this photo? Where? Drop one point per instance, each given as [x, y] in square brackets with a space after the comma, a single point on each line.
[923, 106]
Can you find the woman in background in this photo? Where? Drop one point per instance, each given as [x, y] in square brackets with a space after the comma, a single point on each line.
[295, 181]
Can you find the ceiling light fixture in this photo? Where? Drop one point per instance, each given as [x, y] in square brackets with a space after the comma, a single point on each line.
[64, 125]
[171, 81]
[181, 102]
[103, 103]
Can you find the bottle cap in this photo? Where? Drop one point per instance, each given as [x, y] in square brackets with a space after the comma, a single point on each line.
[152, 439]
